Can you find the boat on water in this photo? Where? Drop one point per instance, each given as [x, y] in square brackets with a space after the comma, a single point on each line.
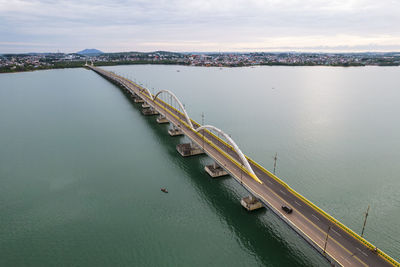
[164, 190]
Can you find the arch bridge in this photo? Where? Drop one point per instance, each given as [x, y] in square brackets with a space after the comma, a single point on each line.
[331, 238]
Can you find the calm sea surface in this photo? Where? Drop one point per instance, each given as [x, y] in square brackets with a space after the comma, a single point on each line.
[81, 169]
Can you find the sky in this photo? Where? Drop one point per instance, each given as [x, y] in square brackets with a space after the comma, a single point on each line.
[199, 25]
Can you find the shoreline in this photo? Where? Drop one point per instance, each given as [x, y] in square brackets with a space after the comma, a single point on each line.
[188, 65]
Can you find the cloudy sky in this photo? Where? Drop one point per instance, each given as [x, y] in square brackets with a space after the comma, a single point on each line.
[199, 25]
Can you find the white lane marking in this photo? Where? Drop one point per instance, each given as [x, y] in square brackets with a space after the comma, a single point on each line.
[365, 254]
[297, 203]
[336, 232]
[315, 217]
[345, 259]
[282, 192]
[320, 239]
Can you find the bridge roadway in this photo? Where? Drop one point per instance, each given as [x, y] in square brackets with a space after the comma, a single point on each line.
[343, 246]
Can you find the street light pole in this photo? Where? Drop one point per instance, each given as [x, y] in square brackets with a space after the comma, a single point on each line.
[241, 173]
[365, 221]
[275, 159]
[202, 124]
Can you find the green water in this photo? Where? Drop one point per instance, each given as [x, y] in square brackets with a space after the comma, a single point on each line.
[81, 169]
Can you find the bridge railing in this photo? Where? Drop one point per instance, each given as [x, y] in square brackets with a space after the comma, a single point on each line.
[327, 215]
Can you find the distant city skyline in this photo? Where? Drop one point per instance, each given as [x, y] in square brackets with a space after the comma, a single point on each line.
[203, 26]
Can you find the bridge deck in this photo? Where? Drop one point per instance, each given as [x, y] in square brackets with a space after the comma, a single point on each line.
[344, 247]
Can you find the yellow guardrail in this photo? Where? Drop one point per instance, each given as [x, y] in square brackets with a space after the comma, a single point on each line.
[308, 202]
[326, 215]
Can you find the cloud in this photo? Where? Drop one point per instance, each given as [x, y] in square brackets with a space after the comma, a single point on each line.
[197, 24]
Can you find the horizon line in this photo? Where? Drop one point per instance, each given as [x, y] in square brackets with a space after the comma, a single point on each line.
[218, 52]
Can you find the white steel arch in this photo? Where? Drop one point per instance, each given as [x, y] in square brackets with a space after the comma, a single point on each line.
[147, 90]
[235, 146]
[179, 103]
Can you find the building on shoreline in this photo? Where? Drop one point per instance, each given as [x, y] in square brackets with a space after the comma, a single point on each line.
[27, 62]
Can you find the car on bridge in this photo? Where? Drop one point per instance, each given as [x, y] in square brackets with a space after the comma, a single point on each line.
[287, 209]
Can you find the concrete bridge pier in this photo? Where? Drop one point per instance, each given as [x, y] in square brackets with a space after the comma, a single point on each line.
[162, 119]
[149, 111]
[189, 149]
[214, 170]
[145, 105]
[251, 203]
[175, 131]
[138, 100]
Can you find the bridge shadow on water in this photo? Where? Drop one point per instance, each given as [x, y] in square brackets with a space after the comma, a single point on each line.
[255, 230]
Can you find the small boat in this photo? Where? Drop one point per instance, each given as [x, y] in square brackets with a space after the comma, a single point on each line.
[164, 190]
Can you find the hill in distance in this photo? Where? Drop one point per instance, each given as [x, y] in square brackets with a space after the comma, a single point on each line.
[90, 52]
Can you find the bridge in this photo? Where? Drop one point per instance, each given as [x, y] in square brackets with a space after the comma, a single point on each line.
[333, 240]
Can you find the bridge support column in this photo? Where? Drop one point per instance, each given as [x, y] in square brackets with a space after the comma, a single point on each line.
[149, 111]
[162, 119]
[138, 100]
[145, 105]
[175, 131]
[189, 149]
[251, 203]
[214, 170]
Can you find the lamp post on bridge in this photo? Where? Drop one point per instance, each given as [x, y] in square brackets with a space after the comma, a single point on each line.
[202, 124]
[275, 159]
[227, 151]
[365, 221]
[241, 174]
